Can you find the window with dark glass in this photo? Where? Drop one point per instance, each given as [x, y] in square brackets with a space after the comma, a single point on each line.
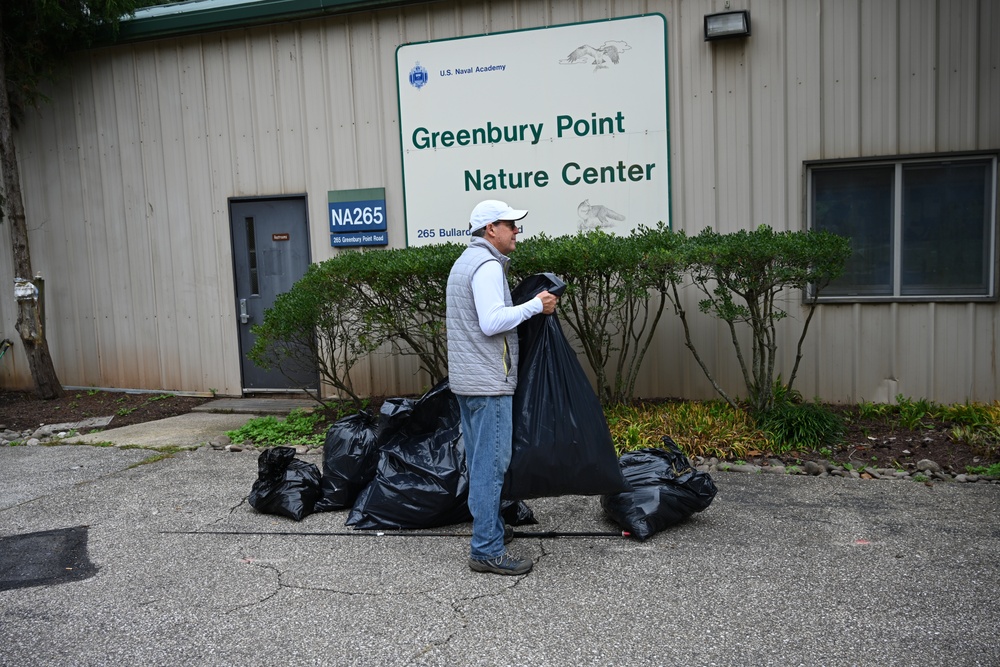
[920, 229]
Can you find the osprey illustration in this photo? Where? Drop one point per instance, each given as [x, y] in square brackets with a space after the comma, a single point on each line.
[598, 57]
[596, 216]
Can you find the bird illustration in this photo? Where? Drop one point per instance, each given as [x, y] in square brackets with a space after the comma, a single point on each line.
[596, 216]
[598, 56]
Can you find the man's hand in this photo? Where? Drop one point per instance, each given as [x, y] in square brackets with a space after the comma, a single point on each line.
[548, 302]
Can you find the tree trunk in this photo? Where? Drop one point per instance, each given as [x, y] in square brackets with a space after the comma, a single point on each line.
[29, 323]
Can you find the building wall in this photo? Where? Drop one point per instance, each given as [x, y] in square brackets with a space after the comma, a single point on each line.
[128, 171]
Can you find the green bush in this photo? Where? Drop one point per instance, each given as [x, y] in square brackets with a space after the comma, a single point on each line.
[742, 277]
[402, 293]
[320, 323]
[611, 303]
[617, 289]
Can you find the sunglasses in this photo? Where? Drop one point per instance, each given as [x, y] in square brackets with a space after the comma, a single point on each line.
[507, 223]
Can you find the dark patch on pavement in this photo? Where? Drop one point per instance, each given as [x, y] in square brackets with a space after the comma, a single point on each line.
[44, 558]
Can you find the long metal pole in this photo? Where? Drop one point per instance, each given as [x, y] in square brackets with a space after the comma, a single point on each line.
[548, 534]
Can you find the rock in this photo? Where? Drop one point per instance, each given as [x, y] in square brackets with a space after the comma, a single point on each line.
[926, 465]
[813, 468]
[775, 469]
[33, 442]
[42, 432]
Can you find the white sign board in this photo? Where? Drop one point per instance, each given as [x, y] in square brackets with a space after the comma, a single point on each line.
[569, 122]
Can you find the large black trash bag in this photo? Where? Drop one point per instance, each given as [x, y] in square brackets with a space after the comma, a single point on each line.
[666, 489]
[562, 445]
[420, 480]
[285, 485]
[350, 453]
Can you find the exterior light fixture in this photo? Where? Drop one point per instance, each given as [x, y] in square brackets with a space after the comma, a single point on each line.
[725, 25]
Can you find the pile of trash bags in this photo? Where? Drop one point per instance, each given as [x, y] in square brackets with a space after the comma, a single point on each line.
[406, 468]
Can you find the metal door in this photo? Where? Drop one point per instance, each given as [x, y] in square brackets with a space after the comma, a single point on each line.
[270, 253]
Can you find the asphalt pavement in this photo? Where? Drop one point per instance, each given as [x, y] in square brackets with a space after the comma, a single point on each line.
[112, 556]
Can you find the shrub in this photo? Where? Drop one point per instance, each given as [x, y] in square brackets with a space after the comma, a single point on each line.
[403, 300]
[741, 276]
[320, 323]
[608, 304]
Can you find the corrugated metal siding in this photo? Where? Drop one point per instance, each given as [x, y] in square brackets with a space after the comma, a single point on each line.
[128, 173]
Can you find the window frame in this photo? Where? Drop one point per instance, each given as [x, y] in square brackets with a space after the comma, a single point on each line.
[900, 162]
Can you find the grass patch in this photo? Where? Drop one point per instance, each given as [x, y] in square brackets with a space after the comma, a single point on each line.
[161, 454]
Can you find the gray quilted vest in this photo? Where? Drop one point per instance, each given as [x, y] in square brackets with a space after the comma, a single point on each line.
[478, 365]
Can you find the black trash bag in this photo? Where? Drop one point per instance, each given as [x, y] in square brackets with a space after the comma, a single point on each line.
[285, 485]
[562, 445]
[350, 453]
[420, 480]
[666, 489]
[517, 513]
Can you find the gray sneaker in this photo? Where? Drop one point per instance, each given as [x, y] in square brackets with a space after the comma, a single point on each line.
[505, 564]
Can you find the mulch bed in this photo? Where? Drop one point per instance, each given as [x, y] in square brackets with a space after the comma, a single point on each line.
[873, 443]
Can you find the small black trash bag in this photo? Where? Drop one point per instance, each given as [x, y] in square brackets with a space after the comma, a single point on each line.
[285, 485]
[420, 479]
[562, 445]
[350, 453]
[666, 489]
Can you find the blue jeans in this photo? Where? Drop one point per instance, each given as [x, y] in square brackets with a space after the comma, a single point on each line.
[487, 425]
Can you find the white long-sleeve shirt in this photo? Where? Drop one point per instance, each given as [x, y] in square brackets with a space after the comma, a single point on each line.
[494, 316]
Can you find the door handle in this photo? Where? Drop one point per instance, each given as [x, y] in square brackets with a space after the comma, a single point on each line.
[244, 318]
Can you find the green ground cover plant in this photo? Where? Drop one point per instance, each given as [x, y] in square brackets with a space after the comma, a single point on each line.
[298, 428]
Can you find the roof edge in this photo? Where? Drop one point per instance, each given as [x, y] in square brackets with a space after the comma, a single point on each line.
[199, 16]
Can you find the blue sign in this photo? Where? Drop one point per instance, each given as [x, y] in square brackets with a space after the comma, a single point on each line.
[357, 217]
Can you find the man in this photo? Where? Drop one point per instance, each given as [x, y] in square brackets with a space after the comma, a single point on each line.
[482, 371]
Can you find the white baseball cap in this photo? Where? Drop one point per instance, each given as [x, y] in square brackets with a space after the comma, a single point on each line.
[492, 210]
